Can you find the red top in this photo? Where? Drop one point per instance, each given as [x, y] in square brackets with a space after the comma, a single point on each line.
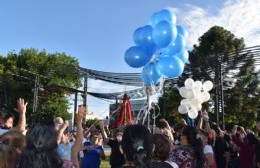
[246, 153]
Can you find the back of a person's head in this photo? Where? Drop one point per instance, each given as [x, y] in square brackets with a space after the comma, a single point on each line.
[40, 150]
[227, 138]
[216, 128]
[161, 124]
[7, 116]
[191, 133]
[12, 142]
[196, 143]
[251, 138]
[137, 145]
[162, 147]
[14, 139]
[7, 156]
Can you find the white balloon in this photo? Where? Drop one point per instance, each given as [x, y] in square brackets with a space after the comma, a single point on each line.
[185, 101]
[190, 94]
[189, 83]
[194, 102]
[206, 96]
[199, 97]
[183, 109]
[193, 113]
[183, 91]
[207, 86]
[197, 85]
[198, 107]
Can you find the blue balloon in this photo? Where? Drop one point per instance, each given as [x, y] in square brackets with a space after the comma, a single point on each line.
[183, 55]
[170, 66]
[143, 37]
[175, 47]
[155, 19]
[136, 57]
[163, 15]
[164, 33]
[182, 31]
[150, 75]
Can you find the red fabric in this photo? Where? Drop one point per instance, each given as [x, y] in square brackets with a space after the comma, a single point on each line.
[125, 114]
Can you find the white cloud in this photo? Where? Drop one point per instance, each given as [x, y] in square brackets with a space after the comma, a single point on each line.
[241, 17]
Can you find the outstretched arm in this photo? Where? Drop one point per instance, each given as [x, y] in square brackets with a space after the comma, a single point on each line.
[206, 119]
[60, 132]
[79, 135]
[200, 122]
[21, 109]
[103, 131]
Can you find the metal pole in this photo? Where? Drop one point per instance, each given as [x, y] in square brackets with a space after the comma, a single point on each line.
[75, 109]
[85, 94]
[85, 90]
[216, 91]
[148, 113]
[164, 103]
[35, 96]
[222, 97]
[154, 121]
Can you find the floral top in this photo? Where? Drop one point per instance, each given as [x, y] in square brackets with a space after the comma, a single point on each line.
[184, 157]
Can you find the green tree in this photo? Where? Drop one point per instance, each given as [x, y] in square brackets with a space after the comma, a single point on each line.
[242, 101]
[219, 48]
[18, 72]
[168, 104]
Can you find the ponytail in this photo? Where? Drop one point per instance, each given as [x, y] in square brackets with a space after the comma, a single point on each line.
[137, 145]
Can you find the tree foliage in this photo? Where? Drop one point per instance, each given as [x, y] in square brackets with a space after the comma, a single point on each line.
[169, 103]
[18, 73]
[219, 47]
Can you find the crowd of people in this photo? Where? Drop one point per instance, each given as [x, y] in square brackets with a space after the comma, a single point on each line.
[49, 144]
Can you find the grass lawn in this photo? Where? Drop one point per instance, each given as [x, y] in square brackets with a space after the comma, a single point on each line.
[105, 163]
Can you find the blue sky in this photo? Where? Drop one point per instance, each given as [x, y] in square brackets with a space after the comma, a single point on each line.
[98, 32]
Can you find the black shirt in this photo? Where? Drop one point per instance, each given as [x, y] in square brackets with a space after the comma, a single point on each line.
[116, 158]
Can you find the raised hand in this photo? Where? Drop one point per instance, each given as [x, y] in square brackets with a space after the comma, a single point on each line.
[82, 111]
[21, 105]
[101, 124]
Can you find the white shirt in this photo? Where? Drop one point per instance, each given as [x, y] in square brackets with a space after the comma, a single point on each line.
[173, 164]
[207, 149]
[2, 131]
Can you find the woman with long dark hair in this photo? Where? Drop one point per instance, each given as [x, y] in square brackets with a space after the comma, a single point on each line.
[40, 150]
[190, 153]
[161, 152]
[137, 145]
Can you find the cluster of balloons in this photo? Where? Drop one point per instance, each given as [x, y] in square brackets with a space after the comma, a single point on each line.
[160, 48]
[194, 94]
